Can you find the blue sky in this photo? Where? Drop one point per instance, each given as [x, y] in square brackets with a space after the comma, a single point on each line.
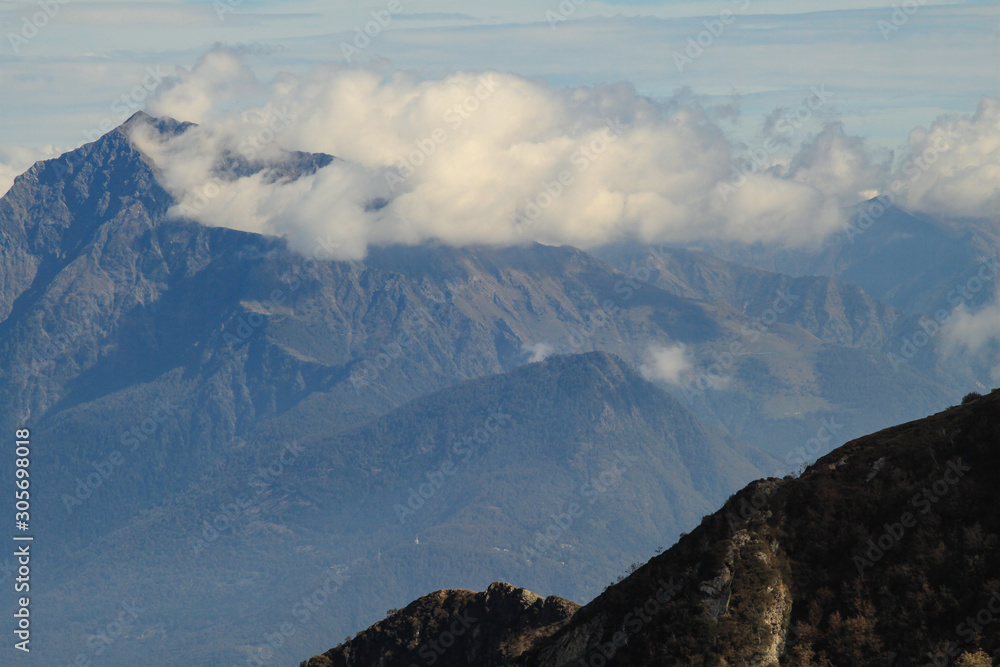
[64, 80]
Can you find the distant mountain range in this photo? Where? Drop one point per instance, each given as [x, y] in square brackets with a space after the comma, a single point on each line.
[885, 552]
[171, 368]
[910, 261]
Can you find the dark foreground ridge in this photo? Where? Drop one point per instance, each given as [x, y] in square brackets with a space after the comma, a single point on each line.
[885, 552]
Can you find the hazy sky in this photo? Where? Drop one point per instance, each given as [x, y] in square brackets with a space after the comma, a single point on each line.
[59, 82]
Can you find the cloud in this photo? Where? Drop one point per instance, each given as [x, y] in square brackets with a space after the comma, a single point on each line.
[539, 352]
[219, 77]
[838, 165]
[666, 364]
[975, 333]
[953, 168]
[485, 158]
[15, 160]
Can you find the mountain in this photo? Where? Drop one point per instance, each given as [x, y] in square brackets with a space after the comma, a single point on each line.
[168, 367]
[113, 309]
[555, 473]
[908, 260]
[834, 311]
[831, 310]
[884, 552]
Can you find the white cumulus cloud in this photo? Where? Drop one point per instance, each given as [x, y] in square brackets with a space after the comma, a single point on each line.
[953, 167]
[219, 77]
[666, 363]
[487, 158]
[970, 333]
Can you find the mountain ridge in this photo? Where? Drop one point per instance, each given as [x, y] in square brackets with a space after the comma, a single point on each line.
[750, 585]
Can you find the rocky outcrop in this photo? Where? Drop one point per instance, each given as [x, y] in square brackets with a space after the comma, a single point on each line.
[456, 628]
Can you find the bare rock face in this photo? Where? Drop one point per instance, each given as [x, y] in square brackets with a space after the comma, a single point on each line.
[455, 628]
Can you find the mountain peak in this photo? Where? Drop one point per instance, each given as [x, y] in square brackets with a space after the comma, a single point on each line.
[137, 117]
[166, 126]
[478, 628]
[56, 210]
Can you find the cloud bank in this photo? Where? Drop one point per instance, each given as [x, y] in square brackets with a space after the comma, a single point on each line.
[954, 166]
[489, 158]
[970, 333]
